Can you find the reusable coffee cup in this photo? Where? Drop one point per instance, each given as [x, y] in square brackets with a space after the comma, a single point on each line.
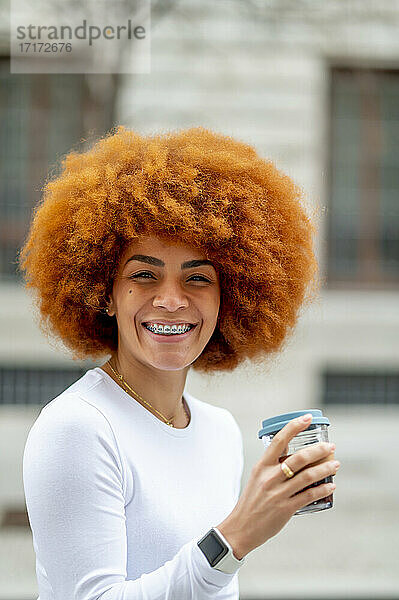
[316, 432]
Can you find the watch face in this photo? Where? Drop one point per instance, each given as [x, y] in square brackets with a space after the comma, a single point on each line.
[213, 548]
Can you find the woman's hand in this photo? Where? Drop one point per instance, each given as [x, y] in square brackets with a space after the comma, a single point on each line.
[268, 501]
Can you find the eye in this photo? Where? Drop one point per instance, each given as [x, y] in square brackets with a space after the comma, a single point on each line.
[142, 273]
[200, 277]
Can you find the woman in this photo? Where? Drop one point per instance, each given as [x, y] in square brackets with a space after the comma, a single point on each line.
[166, 252]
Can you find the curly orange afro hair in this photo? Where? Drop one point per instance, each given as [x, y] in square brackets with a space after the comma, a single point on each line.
[196, 186]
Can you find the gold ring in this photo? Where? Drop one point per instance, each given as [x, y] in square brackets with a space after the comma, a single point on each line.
[286, 470]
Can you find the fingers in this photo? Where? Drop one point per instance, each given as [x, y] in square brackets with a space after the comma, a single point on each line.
[281, 440]
[311, 476]
[307, 456]
[310, 495]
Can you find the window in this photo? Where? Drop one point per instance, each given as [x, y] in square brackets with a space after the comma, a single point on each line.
[348, 389]
[363, 215]
[41, 117]
[35, 386]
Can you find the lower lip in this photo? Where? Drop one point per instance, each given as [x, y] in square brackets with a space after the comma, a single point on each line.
[169, 339]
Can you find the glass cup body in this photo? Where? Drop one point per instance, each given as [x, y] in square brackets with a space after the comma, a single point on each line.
[312, 435]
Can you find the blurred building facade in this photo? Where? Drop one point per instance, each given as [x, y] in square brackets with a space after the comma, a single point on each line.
[315, 88]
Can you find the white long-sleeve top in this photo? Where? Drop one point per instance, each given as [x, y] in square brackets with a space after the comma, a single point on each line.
[117, 499]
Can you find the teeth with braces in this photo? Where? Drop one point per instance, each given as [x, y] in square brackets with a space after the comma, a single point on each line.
[169, 330]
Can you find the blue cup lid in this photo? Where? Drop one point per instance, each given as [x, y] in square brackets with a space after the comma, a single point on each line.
[276, 423]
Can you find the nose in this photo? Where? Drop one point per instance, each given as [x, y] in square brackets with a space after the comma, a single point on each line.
[171, 297]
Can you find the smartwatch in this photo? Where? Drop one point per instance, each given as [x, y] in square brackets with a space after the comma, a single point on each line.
[218, 552]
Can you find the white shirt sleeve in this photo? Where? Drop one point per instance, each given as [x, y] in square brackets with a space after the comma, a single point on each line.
[74, 491]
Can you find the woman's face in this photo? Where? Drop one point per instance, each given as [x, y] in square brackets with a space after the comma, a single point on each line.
[157, 282]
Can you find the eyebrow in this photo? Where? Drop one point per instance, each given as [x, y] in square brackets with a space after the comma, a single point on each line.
[159, 263]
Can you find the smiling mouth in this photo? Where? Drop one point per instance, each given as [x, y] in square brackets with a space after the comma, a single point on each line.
[169, 336]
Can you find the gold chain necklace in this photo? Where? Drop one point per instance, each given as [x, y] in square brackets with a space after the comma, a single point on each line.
[120, 377]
